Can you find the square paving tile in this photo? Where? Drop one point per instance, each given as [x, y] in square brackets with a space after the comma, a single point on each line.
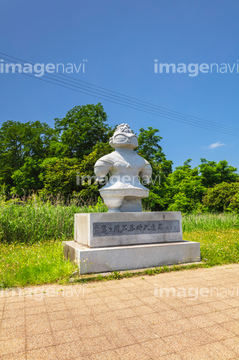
[43, 317]
[197, 353]
[232, 313]
[202, 321]
[129, 352]
[217, 351]
[183, 325]
[219, 317]
[61, 324]
[179, 342]
[120, 339]
[69, 350]
[99, 309]
[144, 334]
[171, 315]
[105, 355]
[11, 333]
[232, 343]
[219, 332]
[142, 310]
[170, 357]
[49, 353]
[232, 326]
[125, 313]
[38, 328]
[17, 356]
[201, 336]
[90, 331]
[13, 313]
[12, 346]
[118, 305]
[14, 305]
[96, 345]
[66, 336]
[219, 305]
[34, 310]
[232, 302]
[59, 315]
[156, 348]
[12, 322]
[40, 341]
[82, 320]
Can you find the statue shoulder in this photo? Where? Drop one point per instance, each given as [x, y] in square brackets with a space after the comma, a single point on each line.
[106, 160]
[143, 161]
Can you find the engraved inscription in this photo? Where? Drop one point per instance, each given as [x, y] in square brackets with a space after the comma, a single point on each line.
[135, 227]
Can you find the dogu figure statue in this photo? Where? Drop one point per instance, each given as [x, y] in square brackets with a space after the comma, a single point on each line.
[124, 191]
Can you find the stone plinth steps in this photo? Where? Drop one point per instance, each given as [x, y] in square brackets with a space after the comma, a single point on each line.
[129, 240]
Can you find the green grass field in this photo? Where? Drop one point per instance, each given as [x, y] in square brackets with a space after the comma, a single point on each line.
[31, 255]
[39, 263]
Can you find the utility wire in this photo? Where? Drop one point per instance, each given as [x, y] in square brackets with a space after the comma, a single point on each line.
[209, 126]
[139, 102]
[126, 102]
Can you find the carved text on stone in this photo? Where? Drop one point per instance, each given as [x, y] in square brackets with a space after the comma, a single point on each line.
[135, 227]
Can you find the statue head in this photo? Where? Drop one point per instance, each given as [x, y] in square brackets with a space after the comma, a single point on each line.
[124, 138]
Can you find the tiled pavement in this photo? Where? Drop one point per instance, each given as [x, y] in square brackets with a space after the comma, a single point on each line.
[126, 319]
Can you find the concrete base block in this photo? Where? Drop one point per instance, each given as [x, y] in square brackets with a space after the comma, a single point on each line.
[127, 228]
[94, 260]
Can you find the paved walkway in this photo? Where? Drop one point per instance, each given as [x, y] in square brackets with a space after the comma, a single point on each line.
[191, 314]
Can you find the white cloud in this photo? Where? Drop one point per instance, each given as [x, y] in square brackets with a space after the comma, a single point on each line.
[215, 145]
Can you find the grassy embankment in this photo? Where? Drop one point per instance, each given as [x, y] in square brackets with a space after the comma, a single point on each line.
[31, 236]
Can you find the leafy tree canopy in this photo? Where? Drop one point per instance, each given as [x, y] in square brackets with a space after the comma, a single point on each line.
[184, 189]
[20, 141]
[213, 173]
[222, 197]
[82, 128]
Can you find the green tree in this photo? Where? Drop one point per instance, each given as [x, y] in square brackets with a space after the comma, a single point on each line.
[82, 128]
[222, 197]
[26, 178]
[21, 141]
[58, 176]
[68, 176]
[184, 189]
[213, 173]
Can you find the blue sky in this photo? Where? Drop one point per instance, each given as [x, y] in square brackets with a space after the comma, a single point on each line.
[120, 40]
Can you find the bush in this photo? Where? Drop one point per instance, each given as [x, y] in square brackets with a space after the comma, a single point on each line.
[222, 197]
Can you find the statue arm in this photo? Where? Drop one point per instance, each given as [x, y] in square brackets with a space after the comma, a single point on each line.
[146, 173]
[102, 168]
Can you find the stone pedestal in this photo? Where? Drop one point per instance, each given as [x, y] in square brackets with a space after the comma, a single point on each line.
[127, 241]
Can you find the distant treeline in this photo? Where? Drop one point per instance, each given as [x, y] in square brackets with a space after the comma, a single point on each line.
[48, 161]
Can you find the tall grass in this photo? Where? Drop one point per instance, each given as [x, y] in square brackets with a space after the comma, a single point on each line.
[36, 220]
[209, 222]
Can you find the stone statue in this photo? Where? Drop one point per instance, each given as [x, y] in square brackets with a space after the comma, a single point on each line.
[123, 192]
